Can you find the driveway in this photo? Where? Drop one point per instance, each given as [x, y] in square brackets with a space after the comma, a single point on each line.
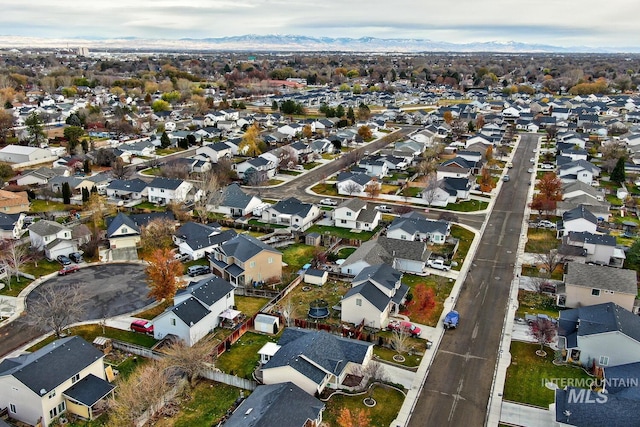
[111, 290]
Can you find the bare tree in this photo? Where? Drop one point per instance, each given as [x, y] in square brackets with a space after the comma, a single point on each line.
[544, 332]
[288, 158]
[372, 189]
[56, 309]
[192, 361]
[287, 311]
[119, 170]
[550, 260]
[400, 340]
[351, 188]
[13, 254]
[431, 188]
[209, 192]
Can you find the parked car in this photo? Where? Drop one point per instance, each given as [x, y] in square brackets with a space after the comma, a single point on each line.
[532, 160]
[198, 270]
[182, 257]
[509, 165]
[451, 320]
[328, 202]
[68, 269]
[546, 166]
[141, 325]
[530, 170]
[506, 178]
[76, 257]
[384, 208]
[545, 223]
[438, 264]
[63, 259]
[531, 318]
[412, 329]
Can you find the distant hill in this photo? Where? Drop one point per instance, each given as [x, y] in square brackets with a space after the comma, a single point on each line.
[252, 42]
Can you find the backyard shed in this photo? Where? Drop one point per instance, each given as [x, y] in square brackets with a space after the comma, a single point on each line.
[316, 277]
[313, 239]
[266, 323]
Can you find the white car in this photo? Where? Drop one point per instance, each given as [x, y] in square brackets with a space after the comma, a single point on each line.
[546, 166]
[530, 170]
[384, 208]
[328, 202]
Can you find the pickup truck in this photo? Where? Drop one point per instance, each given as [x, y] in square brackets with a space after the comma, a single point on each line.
[383, 208]
[451, 320]
[438, 264]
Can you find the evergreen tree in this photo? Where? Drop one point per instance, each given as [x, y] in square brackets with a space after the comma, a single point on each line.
[351, 115]
[618, 174]
[164, 140]
[66, 193]
[86, 165]
[85, 195]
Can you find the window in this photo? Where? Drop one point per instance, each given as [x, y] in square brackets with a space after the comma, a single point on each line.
[252, 264]
[173, 322]
[403, 237]
[124, 230]
[348, 213]
[270, 260]
[53, 412]
[273, 215]
[12, 408]
[75, 378]
[52, 394]
[343, 221]
[595, 292]
[359, 302]
[603, 361]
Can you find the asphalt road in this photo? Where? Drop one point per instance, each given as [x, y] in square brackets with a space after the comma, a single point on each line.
[457, 389]
[110, 290]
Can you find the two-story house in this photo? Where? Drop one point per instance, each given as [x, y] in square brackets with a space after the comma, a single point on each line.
[356, 214]
[168, 190]
[578, 170]
[596, 248]
[53, 238]
[13, 202]
[244, 260]
[197, 240]
[67, 375]
[233, 202]
[196, 310]
[577, 220]
[11, 225]
[292, 213]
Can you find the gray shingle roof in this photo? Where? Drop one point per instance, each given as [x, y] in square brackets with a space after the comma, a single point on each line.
[599, 319]
[8, 221]
[135, 185]
[190, 311]
[52, 365]
[616, 411]
[89, 390]
[166, 183]
[601, 277]
[292, 206]
[209, 290]
[46, 228]
[284, 404]
[120, 220]
[405, 249]
[579, 212]
[234, 197]
[383, 274]
[370, 252]
[414, 225]
[244, 247]
[371, 293]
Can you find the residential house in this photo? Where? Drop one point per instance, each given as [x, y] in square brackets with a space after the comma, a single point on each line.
[54, 238]
[284, 404]
[196, 311]
[292, 213]
[11, 225]
[13, 202]
[24, 154]
[65, 376]
[374, 166]
[586, 284]
[233, 201]
[315, 360]
[596, 248]
[578, 170]
[40, 176]
[355, 184]
[604, 334]
[376, 293]
[197, 240]
[356, 214]
[263, 166]
[453, 170]
[123, 232]
[577, 219]
[168, 190]
[127, 189]
[244, 260]
[214, 152]
[415, 227]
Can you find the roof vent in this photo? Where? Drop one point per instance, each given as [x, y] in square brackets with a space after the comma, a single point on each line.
[43, 392]
[248, 411]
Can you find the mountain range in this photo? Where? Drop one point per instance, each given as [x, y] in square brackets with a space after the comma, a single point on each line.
[298, 43]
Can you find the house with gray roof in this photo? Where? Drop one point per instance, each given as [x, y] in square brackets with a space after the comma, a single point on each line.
[586, 284]
[293, 213]
[11, 225]
[263, 165]
[315, 360]
[597, 248]
[577, 219]
[605, 334]
[356, 214]
[67, 375]
[578, 170]
[197, 240]
[284, 404]
[52, 238]
[355, 184]
[233, 201]
[127, 189]
[245, 261]
[415, 227]
[168, 190]
[40, 176]
[376, 293]
[197, 310]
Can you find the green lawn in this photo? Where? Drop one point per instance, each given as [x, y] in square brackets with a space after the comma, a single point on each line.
[249, 305]
[342, 232]
[411, 360]
[467, 206]
[289, 172]
[527, 373]
[90, 332]
[297, 255]
[242, 358]
[38, 205]
[309, 166]
[325, 189]
[265, 224]
[155, 310]
[541, 241]
[274, 182]
[466, 238]
[150, 206]
[388, 401]
[44, 267]
[345, 252]
[534, 303]
[411, 191]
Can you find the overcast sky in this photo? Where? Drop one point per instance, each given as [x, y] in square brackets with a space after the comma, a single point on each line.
[566, 23]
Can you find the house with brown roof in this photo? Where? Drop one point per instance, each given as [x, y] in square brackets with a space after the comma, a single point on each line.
[12, 203]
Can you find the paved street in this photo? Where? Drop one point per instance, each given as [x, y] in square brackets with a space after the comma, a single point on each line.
[457, 389]
[111, 290]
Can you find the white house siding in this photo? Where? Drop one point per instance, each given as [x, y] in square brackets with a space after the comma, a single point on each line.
[619, 348]
[578, 225]
[124, 242]
[400, 235]
[282, 374]
[354, 269]
[353, 313]
[162, 327]
[408, 266]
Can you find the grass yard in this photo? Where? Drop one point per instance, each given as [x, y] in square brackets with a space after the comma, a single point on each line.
[411, 191]
[527, 373]
[389, 402]
[90, 332]
[44, 267]
[345, 252]
[249, 305]
[289, 172]
[535, 303]
[467, 206]
[155, 310]
[151, 171]
[533, 271]
[345, 233]
[330, 292]
[203, 406]
[309, 166]
[441, 287]
[274, 182]
[541, 241]
[325, 189]
[265, 224]
[242, 358]
[389, 189]
[148, 206]
[297, 255]
[38, 205]
[466, 237]
[411, 360]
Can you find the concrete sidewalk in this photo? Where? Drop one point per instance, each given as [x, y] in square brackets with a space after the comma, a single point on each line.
[516, 414]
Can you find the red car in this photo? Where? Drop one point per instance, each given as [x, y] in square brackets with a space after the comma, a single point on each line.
[143, 326]
[406, 326]
[68, 269]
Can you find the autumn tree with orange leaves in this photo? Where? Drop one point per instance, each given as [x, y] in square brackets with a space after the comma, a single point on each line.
[550, 193]
[163, 274]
